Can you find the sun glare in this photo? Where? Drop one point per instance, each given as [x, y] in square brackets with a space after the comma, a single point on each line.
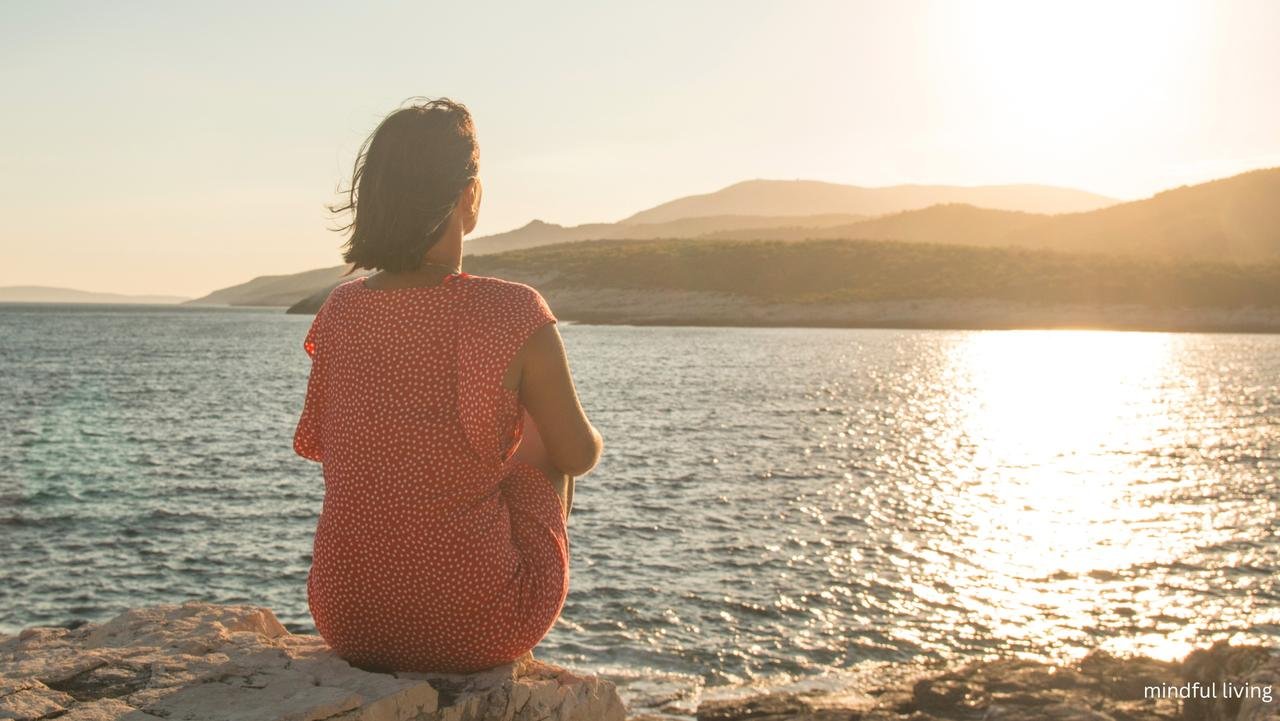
[1071, 72]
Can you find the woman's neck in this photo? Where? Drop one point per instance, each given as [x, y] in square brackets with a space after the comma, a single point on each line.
[444, 258]
[447, 252]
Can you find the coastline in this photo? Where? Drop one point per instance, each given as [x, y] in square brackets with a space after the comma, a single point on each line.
[1221, 682]
[204, 661]
[684, 308]
[207, 662]
[695, 308]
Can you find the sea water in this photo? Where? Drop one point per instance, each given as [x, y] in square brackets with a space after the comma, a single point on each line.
[773, 504]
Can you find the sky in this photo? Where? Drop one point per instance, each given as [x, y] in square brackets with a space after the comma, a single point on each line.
[177, 148]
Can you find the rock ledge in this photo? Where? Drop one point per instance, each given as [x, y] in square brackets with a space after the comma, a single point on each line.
[201, 661]
[1099, 687]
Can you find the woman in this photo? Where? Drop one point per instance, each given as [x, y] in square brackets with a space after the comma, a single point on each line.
[442, 544]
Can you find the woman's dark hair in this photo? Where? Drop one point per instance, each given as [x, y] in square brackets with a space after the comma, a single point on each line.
[407, 178]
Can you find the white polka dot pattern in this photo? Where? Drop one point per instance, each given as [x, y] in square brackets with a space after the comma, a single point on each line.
[435, 551]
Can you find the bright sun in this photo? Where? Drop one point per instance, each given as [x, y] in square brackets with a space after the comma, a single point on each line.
[1071, 72]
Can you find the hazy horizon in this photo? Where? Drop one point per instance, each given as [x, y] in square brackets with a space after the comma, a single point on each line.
[167, 150]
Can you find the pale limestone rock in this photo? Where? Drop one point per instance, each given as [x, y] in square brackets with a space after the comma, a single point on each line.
[1238, 667]
[1052, 712]
[24, 699]
[1098, 687]
[1256, 707]
[528, 690]
[103, 709]
[199, 662]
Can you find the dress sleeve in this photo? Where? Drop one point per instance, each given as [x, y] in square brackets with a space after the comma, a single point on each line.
[307, 434]
[499, 319]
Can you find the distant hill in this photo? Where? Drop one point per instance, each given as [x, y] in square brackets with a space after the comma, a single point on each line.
[538, 233]
[47, 294]
[811, 197]
[787, 204]
[1235, 219]
[276, 290]
[953, 224]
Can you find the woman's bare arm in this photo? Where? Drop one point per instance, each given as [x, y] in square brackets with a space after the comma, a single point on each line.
[541, 373]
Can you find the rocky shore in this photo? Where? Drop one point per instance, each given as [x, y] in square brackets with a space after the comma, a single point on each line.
[237, 663]
[1220, 683]
[202, 662]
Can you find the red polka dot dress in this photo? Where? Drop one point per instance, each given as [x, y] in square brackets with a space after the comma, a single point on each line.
[435, 549]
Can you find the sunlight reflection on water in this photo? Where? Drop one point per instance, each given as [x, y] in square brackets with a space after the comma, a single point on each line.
[1055, 499]
[1058, 509]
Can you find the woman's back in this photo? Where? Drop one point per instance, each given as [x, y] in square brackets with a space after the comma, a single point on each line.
[435, 550]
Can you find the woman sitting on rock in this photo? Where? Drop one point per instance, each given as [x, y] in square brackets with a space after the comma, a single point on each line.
[443, 411]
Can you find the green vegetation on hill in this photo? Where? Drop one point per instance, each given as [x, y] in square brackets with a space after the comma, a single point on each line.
[824, 271]
[1235, 219]
[953, 224]
[538, 233]
[780, 208]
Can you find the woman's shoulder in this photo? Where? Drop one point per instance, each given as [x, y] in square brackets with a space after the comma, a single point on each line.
[324, 301]
[496, 298]
[347, 287]
[503, 291]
